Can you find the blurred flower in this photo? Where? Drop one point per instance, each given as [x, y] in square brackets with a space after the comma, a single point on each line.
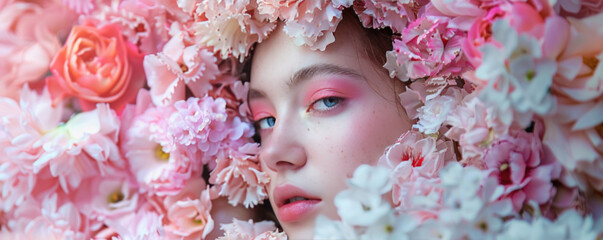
[244, 230]
[381, 14]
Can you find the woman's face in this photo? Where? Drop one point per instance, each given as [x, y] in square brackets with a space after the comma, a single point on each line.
[320, 115]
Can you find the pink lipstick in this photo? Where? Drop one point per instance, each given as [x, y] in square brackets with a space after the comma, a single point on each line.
[293, 204]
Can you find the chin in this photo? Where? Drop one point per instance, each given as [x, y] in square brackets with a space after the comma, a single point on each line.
[303, 230]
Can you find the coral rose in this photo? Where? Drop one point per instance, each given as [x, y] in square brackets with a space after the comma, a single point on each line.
[96, 65]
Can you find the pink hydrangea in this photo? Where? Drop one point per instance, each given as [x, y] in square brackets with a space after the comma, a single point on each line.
[415, 160]
[230, 27]
[238, 175]
[244, 230]
[177, 66]
[520, 164]
[430, 47]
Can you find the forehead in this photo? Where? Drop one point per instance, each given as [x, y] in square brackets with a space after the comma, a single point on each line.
[277, 59]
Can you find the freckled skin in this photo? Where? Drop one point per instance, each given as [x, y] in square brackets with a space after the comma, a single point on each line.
[315, 152]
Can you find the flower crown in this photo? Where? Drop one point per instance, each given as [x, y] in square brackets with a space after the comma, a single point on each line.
[123, 117]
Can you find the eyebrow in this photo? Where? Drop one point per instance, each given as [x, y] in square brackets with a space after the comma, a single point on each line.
[309, 72]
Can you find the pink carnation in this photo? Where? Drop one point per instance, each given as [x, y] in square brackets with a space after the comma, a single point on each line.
[380, 14]
[475, 128]
[199, 125]
[416, 161]
[308, 22]
[231, 27]
[244, 230]
[238, 175]
[520, 164]
[429, 47]
[177, 66]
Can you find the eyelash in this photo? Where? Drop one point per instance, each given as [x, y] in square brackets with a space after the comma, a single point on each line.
[268, 122]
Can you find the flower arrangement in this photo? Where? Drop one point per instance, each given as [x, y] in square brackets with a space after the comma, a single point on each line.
[127, 119]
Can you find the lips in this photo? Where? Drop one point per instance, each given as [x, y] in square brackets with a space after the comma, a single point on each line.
[293, 204]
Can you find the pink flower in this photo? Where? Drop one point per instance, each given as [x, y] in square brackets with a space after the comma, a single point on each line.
[380, 14]
[520, 164]
[238, 175]
[574, 131]
[52, 218]
[231, 27]
[108, 197]
[475, 128]
[523, 17]
[110, 71]
[80, 6]
[200, 125]
[159, 166]
[429, 47]
[177, 66]
[244, 230]
[188, 215]
[27, 45]
[310, 22]
[82, 147]
[144, 223]
[415, 159]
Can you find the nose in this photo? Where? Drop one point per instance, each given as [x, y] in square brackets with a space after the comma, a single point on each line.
[283, 149]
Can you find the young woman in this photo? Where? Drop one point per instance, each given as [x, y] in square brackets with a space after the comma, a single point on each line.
[320, 114]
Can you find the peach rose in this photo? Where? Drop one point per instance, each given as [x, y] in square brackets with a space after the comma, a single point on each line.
[96, 65]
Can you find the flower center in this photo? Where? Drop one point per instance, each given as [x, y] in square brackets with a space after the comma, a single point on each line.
[161, 154]
[116, 197]
[416, 161]
[590, 62]
[197, 219]
[505, 174]
[183, 67]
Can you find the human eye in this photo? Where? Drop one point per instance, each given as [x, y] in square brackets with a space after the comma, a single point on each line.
[325, 104]
[265, 123]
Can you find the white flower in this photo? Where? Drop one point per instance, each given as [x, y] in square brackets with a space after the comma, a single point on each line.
[518, 75]
[331, 229]
[372, 179]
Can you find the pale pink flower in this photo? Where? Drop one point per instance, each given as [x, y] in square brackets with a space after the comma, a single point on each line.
[144, 23]
[272, 235]
[144, 223]
[231, 27]
[415, 160]
[238, 175]
[245, 230]
[82, 147]
[52, 218]
[189, 218]
[312, 22]
[430, 47]
[574, 131]
[159, 166]
[80, 6]
[107, 197]
[30, 35]
[520, 164]
[179, 65]
[475, 128]
[436, 110]
[380, 14]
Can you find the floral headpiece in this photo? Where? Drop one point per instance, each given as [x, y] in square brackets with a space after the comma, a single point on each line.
[127, 118]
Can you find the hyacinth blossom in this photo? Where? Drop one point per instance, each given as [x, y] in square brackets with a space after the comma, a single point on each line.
[128, 119]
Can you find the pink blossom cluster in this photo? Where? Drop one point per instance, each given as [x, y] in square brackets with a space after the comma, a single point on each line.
[127, 119]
